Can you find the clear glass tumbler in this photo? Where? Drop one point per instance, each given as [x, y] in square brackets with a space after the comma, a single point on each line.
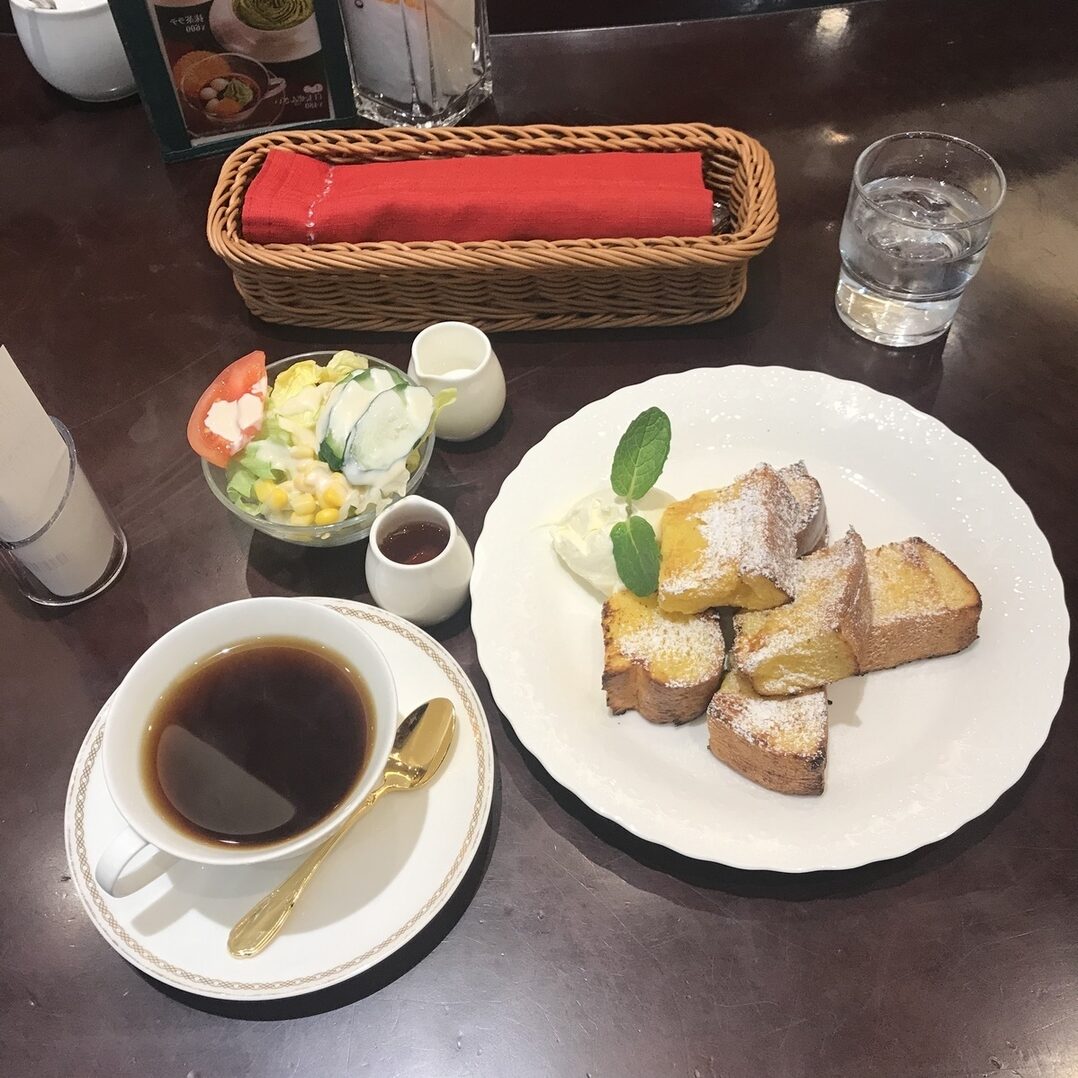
[418, 63]
[915, 231]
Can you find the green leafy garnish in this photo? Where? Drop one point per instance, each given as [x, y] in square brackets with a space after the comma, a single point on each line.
[641, 455]
[636, 555]
[638, 462]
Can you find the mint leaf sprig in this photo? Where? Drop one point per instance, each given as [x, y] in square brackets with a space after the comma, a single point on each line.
[638, 462]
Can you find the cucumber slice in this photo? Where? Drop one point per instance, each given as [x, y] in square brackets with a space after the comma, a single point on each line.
[386, 433]
[348, 401]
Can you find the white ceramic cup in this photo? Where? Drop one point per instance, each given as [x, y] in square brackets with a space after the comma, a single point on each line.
[172, 655]
[431, 591]
[75, 47]
[456, 355]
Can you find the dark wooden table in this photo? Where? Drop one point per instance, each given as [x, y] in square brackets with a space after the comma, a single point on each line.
[573, 949]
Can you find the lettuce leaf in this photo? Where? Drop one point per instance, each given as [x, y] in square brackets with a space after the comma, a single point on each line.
[294, 380]
[240, 490]
[442, 399]
[273, 431]
[252, 461]
[343, 363]
[301, 410]
[244, 470]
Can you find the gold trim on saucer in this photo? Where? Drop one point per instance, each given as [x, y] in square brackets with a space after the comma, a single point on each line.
[197, 982]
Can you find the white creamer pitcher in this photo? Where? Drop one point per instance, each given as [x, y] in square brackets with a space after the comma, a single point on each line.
[456, 355]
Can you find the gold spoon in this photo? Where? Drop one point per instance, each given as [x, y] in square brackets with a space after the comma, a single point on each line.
[421, 744]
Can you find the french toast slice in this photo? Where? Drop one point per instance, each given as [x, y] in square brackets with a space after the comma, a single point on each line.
[821, 636]
[735, 546]
[922, 605]
[777, 742]
[666, 666]
[811, 526]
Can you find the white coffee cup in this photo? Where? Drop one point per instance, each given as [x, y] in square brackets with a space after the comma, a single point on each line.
[75, 47]
[430, 591]
[170, 657]
[457, 355]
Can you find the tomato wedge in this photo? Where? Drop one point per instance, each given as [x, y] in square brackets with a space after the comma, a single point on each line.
[229, 414]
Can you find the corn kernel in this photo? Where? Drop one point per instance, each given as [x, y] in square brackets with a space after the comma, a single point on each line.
[304, 503]
[301, 520]
[334, 495]
[270, 494]
[326, 516]
[302, 452]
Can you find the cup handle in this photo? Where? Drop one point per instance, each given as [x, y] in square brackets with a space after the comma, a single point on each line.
[110, 865]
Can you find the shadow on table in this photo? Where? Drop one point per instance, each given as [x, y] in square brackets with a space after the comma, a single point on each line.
[374, 979]
[912, 374]
[477, 445]
[278, 568]
[796, 887]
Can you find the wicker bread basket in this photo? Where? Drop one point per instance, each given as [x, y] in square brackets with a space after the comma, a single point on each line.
[532, 284]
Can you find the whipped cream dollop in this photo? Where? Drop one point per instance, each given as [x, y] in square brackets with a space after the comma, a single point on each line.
[582, 538]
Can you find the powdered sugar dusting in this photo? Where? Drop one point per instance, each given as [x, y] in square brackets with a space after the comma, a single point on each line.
[904, 588]
[890, 569]
[829, 584]
[755, 530]
[692, 644]
[793, 724]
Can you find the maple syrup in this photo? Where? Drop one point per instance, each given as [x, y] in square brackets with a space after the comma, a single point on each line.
[414, 543]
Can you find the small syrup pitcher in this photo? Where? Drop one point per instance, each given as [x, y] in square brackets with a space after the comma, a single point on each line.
[456, 355]
[418, 562]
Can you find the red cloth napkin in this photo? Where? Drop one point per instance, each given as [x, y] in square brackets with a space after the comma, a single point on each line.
[298, 199]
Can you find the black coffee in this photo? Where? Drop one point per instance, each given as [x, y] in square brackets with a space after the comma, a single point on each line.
[257, 743]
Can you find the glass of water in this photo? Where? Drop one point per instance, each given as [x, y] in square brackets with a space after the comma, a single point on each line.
[915, 231]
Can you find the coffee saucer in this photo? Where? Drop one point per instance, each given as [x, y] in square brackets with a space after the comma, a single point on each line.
[388, 879]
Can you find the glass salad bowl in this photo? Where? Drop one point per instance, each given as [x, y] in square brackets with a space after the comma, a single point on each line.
[351, 530]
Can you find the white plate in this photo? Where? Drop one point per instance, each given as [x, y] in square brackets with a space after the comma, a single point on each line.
[914, 753]
[388, 879]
